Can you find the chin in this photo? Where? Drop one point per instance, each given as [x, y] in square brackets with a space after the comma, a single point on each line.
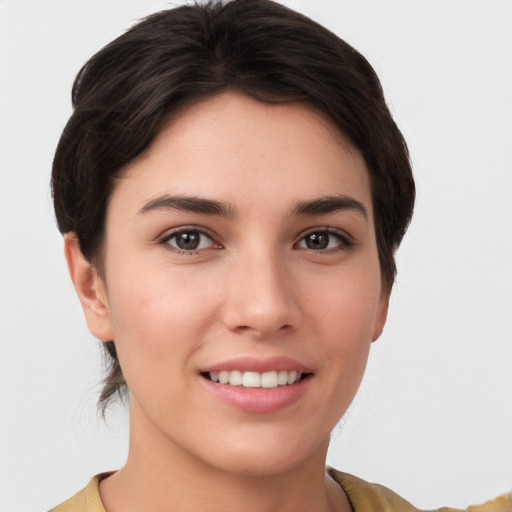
[264, 456]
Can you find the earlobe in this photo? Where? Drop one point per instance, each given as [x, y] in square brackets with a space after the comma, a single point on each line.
[90, 289]
[381, 315]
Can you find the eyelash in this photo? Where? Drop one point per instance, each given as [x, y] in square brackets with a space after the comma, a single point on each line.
[344, 241]
[165, 240]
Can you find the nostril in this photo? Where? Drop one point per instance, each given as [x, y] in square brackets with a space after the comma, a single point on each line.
[246, 328]
[247, 314]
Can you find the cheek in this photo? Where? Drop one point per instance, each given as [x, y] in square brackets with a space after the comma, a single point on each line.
[157, 323]
[345, 314]
[347, 302]
[157, 298]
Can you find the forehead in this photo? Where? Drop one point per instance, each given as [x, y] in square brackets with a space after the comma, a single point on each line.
[243, 150]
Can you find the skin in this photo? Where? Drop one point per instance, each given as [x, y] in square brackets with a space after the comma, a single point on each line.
[254, 287]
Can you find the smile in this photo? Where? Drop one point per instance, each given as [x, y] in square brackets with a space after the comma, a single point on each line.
[271, 379]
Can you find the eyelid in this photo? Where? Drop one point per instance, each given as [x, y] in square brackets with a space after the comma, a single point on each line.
[170, 233]
[346, 240]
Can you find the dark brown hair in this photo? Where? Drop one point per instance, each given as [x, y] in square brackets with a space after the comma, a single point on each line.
[125, 93]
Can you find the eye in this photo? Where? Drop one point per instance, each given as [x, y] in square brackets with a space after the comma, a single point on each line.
[189, 240]
[324, 240]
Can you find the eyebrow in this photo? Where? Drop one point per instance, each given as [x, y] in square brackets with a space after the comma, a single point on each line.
[189, 204]
[319, 206]
[330, 204]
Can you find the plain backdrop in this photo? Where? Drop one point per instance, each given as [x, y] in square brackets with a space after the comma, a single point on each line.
[433, 417]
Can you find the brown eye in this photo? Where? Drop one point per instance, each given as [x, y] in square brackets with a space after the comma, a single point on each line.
[317, 241]
[323, 240]
[190, 240]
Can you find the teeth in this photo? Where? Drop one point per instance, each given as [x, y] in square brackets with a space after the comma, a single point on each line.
[271, 379]
[282, 378]
[235, 378]
[251, 380]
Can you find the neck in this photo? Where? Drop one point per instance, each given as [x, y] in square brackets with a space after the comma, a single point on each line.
[163, 477]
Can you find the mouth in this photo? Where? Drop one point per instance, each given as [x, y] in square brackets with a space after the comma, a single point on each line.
[251, 379]
[256, 385]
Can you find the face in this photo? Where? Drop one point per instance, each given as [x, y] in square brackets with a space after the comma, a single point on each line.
[242, 284]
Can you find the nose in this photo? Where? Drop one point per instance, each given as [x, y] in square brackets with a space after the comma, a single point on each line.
[261, 298]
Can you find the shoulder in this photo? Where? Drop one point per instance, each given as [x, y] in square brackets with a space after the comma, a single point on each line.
[86, 500]
[369, 497]
[363, 497]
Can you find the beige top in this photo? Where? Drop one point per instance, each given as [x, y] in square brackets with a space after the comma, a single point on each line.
[363, 497]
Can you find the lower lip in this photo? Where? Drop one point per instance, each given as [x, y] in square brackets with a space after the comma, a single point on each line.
[259, 400]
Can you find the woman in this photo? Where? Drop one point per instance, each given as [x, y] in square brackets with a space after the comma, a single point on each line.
[232, 189]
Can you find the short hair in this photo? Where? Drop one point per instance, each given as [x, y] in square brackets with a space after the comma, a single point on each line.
[127, 91]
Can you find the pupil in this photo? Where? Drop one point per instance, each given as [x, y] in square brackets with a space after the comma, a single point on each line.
[188, 241]
[317, 241]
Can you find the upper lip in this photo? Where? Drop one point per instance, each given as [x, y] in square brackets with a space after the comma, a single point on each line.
[258, 364]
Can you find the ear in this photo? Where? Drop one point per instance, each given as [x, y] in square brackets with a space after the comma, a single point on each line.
[381, 313]
[90, 289]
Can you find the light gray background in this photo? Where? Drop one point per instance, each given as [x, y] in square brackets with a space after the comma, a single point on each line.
[433, 418]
